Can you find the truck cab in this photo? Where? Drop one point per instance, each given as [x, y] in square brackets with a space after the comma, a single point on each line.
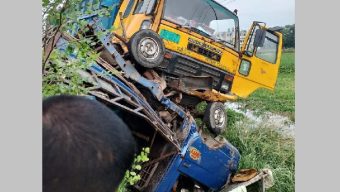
[200, 38]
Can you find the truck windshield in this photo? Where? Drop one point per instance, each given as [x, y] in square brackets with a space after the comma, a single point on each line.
[206, 16]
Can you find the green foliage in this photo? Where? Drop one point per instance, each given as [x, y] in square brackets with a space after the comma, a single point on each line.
[132, 176]
[264, 147]
[289, 50]
[70, 11]
[288, 36]
[200, 108]
[199, 122]
[60, 75]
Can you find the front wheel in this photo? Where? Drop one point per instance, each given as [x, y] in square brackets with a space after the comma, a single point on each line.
[147, 48]
[215, 117]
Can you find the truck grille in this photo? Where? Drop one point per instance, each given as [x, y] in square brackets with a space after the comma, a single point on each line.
[181, 65]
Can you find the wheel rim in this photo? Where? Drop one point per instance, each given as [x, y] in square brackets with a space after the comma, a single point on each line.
[219, 117]
[149, 48]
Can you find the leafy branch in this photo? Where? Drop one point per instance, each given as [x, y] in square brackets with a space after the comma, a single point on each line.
[132, 176]
[60, 75]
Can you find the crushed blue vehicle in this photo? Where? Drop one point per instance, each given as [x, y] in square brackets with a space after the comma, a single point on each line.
[181, 156]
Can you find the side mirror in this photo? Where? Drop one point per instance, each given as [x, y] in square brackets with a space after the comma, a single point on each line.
[260, 36]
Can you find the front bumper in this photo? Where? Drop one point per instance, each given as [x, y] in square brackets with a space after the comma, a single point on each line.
[185, 69]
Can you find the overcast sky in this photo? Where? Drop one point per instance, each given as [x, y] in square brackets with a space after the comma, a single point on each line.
[272, 12]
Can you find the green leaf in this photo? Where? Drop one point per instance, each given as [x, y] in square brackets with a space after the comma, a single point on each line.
[138, 167]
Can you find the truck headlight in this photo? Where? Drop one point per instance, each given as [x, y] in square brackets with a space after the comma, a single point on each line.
[225, 87]
[227, 83]
[146, 24]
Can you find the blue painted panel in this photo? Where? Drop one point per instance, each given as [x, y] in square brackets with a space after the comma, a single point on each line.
[107, 22]
[171, 176]
[212, 169]
[214, 166]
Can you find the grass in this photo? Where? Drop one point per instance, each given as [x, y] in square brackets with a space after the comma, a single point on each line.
[282, 100]
[263, 147]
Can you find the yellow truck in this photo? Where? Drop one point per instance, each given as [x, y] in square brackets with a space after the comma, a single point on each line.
[194, 46]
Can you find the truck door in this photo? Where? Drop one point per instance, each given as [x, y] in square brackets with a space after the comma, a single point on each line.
[133, 16]
[122, 20]
[260, 62]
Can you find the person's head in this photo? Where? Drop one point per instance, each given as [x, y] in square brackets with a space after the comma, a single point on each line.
[86, 146]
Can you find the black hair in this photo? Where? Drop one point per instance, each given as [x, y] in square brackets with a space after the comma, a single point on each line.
[86, 146]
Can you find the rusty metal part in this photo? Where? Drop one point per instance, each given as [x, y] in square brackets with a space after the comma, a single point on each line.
[161, 158]
[51, 44]
[174, 125]
[171, 93]
[120, 38]
[118, 74]
[152, 75]
[104, 90]
[179, 98]
[259, 178]
[117, 39]
[166, 116]
[244, 175]
[158, 16]
[146, 174]
[126, 66]
[191, 83]
[153, 139]
[122, 24]
[200, 87]
[174, 188]
[211, 142]
[153, 169]
[213, 96]
[106, 56]
[144, 137]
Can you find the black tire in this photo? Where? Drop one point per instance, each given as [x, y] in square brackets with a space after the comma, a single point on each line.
[153, 43]
[215, 117]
